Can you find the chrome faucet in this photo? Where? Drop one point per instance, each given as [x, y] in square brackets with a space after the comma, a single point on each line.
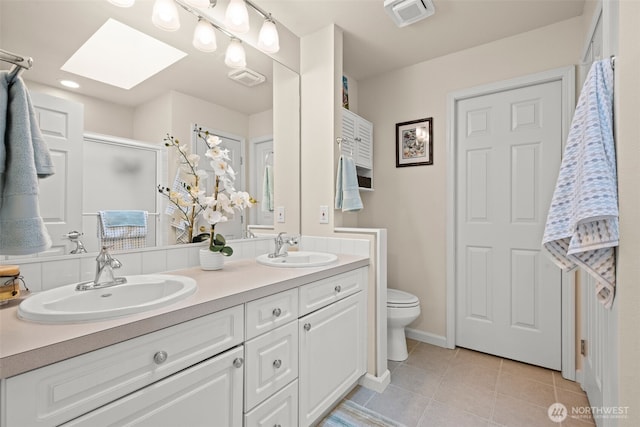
[74, 236]
[282, 243]
[105, 264]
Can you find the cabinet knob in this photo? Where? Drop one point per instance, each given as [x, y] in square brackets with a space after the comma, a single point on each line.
[338, 288]
[307, 327]
[160, 357]
[277, 312]
[277, 363]
[277, 425]
[238, 362]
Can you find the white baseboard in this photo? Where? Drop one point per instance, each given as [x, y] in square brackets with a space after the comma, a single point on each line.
[426, 337]
[579, 376]
[377, 384]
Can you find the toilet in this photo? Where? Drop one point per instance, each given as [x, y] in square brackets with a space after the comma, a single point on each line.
[402, 309]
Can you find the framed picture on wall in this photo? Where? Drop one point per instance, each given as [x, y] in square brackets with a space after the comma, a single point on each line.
[414, 143]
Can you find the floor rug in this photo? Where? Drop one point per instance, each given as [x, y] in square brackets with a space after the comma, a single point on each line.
[349, 414]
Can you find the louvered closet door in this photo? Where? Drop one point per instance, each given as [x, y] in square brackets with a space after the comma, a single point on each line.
[508, 293]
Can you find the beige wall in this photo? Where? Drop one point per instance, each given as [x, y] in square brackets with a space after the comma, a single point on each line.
[628, 154]
[99, 116]
[411, 202]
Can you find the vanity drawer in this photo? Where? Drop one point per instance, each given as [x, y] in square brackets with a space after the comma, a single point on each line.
[266, 314]
[281, 409]
[326, 291]
[271, 362]
[60, 392]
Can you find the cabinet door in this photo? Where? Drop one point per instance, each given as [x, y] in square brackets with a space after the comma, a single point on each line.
[332, 355]
[364, 144]
[271, 363]
[281, 409]
[207, 394]
[349, 132]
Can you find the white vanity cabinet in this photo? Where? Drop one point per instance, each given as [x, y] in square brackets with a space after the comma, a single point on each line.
[63, 391]
[332, 347]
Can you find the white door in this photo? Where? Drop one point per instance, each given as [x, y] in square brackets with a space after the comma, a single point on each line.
[61, 123]
[508, 293]
[262, 156]
[233, 228]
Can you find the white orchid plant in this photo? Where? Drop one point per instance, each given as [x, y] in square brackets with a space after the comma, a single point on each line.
[191, 201]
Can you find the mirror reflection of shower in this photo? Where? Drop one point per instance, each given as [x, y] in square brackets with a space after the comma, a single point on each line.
[262, 182]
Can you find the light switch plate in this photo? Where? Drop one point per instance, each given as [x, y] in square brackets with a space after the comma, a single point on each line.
[324, 214]
[280, 214]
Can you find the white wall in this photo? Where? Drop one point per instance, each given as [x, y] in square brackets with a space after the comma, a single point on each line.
[628, 154]
[411, 202]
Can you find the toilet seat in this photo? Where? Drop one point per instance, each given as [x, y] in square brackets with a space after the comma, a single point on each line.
[400, 299]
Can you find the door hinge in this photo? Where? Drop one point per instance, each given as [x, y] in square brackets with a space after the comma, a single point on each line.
[583, 347]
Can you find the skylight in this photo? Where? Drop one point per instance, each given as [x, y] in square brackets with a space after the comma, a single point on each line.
[121, 56]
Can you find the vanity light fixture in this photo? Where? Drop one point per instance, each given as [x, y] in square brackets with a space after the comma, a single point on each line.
[268, 40]
[235, 56]
[165, 15]
[236, 18]
[200, 4]
[122, 3]
[204, 36]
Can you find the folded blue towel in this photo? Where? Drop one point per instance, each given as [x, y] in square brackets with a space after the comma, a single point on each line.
[347, 191]
[123, 218]
[24, 157]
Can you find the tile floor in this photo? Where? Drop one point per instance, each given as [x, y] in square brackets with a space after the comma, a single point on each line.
[440, 387]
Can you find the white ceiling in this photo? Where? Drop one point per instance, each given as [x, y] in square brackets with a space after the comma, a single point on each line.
[51, 30]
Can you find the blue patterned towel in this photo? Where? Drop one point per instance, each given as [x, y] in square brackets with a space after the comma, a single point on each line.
[582, 225]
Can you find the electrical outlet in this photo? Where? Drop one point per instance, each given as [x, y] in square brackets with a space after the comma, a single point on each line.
[280, 214]
[324, 214]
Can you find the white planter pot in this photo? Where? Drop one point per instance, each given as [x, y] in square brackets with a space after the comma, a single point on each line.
[211, 260]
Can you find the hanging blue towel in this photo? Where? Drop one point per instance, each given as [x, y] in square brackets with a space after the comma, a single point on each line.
[24, 157]
[582, 225]
[347, 192]
[267, 189]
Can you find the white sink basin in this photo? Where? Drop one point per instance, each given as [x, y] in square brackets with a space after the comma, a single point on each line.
[141, 293]
[298, 259]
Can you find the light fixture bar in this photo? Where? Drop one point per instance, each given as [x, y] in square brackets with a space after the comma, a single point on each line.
[193, 11]
[265, 15]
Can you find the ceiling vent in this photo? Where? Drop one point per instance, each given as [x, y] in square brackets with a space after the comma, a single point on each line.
[405, 12]
[246, 77]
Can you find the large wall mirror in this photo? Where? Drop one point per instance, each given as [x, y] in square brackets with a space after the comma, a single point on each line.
[127, 126]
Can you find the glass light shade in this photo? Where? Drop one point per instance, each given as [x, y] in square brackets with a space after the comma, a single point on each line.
[268, 40]
[236, 18]
[201, 4]
[235, 56]
[165, 15]
[204, 37]
[122, 3]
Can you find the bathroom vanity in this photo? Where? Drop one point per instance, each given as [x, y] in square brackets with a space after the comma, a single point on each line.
[255, 345]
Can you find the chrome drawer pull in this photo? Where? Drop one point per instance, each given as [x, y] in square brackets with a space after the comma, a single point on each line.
[237, 362]
[277, 312]
[160, 357]
[338, 288]
[277, 363]
[307, 327]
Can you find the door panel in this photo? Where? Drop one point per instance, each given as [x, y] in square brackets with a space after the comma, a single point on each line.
[509, 146]
[61, 123]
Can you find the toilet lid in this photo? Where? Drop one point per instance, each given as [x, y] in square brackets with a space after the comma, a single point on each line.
[396, 297]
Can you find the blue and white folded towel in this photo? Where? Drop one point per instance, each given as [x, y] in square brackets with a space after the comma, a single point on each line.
[122, 224]
[582, 225]
[347, 192]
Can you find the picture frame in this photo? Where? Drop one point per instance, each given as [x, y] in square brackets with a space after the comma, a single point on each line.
[414, 143]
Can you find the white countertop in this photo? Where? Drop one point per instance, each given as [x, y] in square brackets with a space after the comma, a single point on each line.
[27, 345]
